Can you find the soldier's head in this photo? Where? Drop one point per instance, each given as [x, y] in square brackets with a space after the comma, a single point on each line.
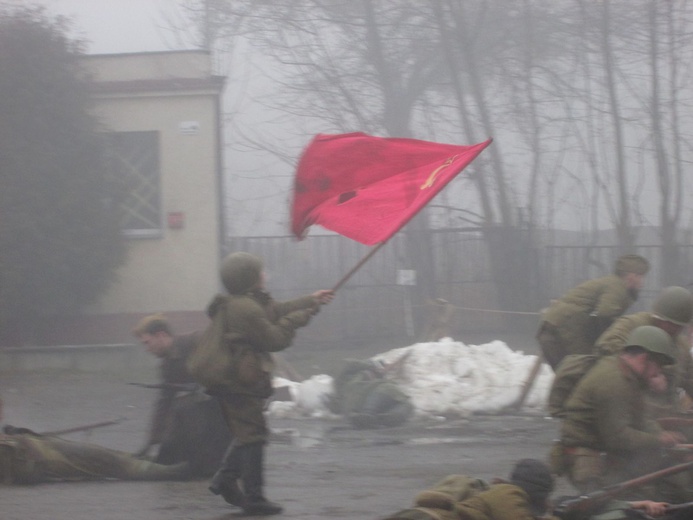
[154, 332]
[632, 268]
[535, 478]
[241, 272]
[673, 309]
[647, 350]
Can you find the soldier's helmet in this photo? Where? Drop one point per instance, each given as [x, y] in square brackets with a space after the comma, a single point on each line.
[535, 478]
[674, 304]
[631, 264]
[240, 272]
[656, 341]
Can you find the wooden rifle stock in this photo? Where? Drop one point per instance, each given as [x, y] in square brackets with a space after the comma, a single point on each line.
[583, 506]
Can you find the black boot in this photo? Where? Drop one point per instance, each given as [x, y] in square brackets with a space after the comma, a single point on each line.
[253, 481]
[225, 480]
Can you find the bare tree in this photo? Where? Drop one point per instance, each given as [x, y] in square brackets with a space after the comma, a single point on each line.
[558, 84]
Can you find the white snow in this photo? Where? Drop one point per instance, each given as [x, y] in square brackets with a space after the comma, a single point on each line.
[446, 378]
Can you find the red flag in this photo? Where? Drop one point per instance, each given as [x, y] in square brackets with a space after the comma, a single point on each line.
[367, 188]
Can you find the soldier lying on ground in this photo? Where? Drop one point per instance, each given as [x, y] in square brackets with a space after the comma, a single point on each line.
[523, 496]
[29, 458]
[364, 395]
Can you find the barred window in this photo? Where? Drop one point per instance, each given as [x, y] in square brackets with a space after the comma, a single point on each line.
[135, 157]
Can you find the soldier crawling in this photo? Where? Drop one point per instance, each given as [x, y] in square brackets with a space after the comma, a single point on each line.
[366, 398]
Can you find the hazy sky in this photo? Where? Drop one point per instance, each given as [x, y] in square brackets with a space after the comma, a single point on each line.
[116, 26]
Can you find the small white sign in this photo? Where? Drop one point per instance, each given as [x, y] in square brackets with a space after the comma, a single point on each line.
[189, 127]
[406, 277]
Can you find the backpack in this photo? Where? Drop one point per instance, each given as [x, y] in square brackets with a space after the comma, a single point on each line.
[210, 363]
[453, 488]
[569, 372]
[438, 503]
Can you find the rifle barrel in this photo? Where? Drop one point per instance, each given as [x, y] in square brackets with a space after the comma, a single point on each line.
[678, 507]
[85, 427]
[588, 501]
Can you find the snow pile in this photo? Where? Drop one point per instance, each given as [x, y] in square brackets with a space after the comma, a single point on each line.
[444, 378]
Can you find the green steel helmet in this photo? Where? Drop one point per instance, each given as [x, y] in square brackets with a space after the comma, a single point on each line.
[674, 304]
[657, 342]
[631, 264]
[240, 272]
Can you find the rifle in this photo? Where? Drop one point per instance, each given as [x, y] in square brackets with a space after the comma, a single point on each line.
[672, 423]
[178, 387]
[672, 508]
[17, 430]
[83, 428]
[583, 506]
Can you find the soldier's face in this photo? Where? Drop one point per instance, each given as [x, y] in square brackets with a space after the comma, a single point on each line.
[157, 344]
[635, 281]
[652, 373]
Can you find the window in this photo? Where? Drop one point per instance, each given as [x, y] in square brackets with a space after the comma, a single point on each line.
[135, 157]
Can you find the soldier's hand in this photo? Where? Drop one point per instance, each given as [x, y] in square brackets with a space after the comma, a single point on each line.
[669, 438]
[658, 384]
[650, 508]
[324, 296]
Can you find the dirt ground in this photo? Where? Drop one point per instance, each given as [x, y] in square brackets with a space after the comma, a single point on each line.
[315, 468]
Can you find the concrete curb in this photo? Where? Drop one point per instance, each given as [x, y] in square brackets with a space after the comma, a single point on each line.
[117, 359]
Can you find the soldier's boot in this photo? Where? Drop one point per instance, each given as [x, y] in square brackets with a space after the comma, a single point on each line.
[225, 480]
[147, 470]
[253, 482]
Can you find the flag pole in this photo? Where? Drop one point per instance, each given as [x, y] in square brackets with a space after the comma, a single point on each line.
[358, 266]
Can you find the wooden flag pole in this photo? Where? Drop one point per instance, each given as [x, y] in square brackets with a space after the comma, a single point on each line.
[358, 266]
[533, 373]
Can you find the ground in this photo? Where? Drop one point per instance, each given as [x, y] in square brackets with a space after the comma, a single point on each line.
[315, 468]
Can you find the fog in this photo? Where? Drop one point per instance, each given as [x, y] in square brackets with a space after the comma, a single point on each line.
[563, 176]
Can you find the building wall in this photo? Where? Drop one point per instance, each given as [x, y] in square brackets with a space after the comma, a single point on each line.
[174, 94]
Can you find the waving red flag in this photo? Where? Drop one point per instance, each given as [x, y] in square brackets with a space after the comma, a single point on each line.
[366, 188]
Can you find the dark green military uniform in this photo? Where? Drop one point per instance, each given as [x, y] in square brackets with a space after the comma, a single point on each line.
[28, 458]
[679, 375]
[606, 434]
[172, 372]
[368, 400]
[458, 497]
[500, 502]
[254, 326]
[571, 324]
